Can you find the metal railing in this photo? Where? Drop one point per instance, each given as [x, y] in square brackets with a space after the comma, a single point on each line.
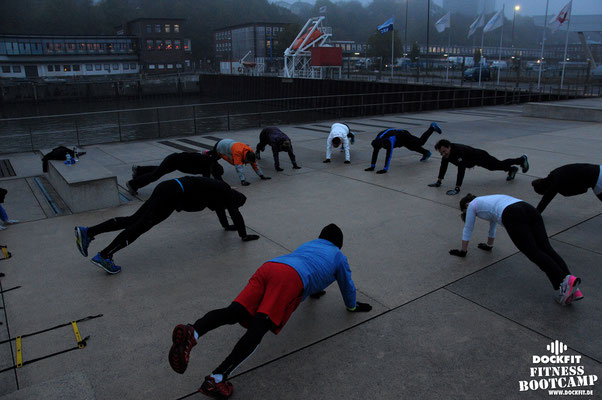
[44, 132]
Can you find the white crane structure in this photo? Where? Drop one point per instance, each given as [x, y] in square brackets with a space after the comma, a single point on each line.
[297, 57]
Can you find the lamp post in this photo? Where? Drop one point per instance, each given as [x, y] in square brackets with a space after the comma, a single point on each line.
[516, 8]
[405, 37]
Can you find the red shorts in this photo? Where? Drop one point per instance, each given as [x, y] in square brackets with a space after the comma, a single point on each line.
[275, 290]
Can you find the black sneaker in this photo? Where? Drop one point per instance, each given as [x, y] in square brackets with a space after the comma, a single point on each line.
[525, 164]
[134, 171]
[131, 189]
[512, 173]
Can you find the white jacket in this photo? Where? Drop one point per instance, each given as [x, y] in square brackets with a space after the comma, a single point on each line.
[341, 131]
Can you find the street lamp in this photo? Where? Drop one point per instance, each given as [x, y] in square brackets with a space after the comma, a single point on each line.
[516, 8]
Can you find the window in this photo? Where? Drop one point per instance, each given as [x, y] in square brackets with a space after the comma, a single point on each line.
[76, 67]
[6, 69]
[186, 45]
[169, 66]
[57, 68]
[168, 45]
[151, 66]
[179, 66]
[49, 48]
[167, 28]
[158, 28]
[107, 67]
[149, 45]
[177, 45]
[159, 45]
[161, 66]
[149, 28]
[133, 66]
[70, 47]
[98, 67]
[126, 66]
[67, 68]
[115, 67]
[89, 67]
[16, 69]
[176, 28]
[187, 63]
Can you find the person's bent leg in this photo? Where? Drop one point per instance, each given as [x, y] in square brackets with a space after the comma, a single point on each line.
[168, 165]
[541, 237]
[145, 169]
[426, 135]
[233, 314]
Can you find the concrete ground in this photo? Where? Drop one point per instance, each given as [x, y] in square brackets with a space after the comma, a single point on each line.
[441, 327]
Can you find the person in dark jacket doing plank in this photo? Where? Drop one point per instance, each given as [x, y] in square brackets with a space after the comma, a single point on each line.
[278, 141]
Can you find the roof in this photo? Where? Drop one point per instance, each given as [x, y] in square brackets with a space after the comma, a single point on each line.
[19, 36]
[227, 28]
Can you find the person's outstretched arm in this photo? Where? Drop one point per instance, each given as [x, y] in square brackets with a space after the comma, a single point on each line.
[546, 199]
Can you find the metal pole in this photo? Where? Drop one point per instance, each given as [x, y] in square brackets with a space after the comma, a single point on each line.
[513, 21]
[428, 24]
[566, 44]
[543, 42]
[392, 51]
[499, 60]
[405, 38]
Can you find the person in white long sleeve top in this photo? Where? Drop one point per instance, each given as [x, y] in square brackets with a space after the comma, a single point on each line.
[339, 133]
[528, 233]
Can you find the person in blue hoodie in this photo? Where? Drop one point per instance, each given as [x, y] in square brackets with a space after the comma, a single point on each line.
[390, 138]
[267, 302]
[278, 141]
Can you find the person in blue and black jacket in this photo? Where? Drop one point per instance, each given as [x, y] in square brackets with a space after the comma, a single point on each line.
[390, 138]
[279, 141]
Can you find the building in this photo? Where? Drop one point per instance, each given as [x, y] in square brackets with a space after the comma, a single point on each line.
[253, 42]
[149, 45]
[162, 46]
[36, 56]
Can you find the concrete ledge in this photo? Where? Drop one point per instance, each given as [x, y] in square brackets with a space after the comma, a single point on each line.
[563, 111]
[85, 185]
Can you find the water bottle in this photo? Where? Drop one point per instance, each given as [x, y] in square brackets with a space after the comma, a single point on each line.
[75, 159]
[68, 160]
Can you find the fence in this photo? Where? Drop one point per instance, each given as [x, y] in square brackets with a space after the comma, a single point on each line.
[34, 133]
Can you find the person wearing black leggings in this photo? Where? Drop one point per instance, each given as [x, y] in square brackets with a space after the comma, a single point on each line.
[464, 157]
[188, 193]
[188, 163]
[391, 138]
[278, 141]
[267, 302]
[528, 233]
[568, 180]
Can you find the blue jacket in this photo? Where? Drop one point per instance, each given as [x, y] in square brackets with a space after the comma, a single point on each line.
[319, 263]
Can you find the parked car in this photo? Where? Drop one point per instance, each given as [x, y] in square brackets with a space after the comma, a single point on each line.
[472, 74]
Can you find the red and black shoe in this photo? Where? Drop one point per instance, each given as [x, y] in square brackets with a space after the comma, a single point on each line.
[183, 341]
[221, 390]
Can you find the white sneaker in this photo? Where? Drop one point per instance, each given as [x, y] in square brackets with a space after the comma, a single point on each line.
[567, 290]
[2, 227]
[11, 221]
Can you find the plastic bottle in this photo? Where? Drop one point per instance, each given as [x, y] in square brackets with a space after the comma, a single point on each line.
[68, 160]
[75, 159]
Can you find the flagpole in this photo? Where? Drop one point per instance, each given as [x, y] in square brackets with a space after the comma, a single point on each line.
[499, 60]
[566, 43]
[543, 42]
[448, 52]
[392, 50]
[481, 59]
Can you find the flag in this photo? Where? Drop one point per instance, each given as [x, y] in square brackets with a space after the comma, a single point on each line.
[443, 23]
[323, 10]
[479, 22]
[386, 26]
[561, 18]
[497, 21]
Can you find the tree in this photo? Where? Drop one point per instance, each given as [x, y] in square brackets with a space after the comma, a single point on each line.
[379, 45]
[415, 52]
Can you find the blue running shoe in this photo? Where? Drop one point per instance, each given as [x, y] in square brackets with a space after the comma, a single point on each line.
[105, 263]
[436, 127]
[82, 240]
[426, 156]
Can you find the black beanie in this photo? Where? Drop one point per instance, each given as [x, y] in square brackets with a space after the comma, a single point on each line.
[333, 234]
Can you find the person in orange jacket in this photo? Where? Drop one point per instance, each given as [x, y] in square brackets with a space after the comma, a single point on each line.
[238, 154]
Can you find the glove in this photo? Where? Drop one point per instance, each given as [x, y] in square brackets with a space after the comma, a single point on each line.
[453, 192]
[317, 295]
[382, 171]
[485, 246]
[436, 184]
[230, 227]
[265, 178]
[369, 169]
[326, 161]
[244, 183]
[279, 169]
[248, 238]
[296, 166]
[347, 162]
[457, 253]
[360, 307]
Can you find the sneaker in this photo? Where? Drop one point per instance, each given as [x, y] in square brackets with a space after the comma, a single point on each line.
[183, 341]
[568, 288]
[82, 240]
[11, 221]
[525, 163]
[221, 390]
[131, 189]
[577, 295]
[105, 263]
[426, 156]
[2, 227]
[512, 173]
[436, 128]
[134, 171]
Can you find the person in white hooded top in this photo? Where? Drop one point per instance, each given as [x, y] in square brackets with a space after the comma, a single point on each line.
[527, 231]
[339, 133]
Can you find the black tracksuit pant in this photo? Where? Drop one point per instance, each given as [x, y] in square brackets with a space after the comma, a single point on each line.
[528, 233]
[487, 161]
[156, 209]
[258, 326]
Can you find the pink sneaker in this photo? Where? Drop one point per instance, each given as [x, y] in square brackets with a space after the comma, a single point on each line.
[568, 289]
[577, 295]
